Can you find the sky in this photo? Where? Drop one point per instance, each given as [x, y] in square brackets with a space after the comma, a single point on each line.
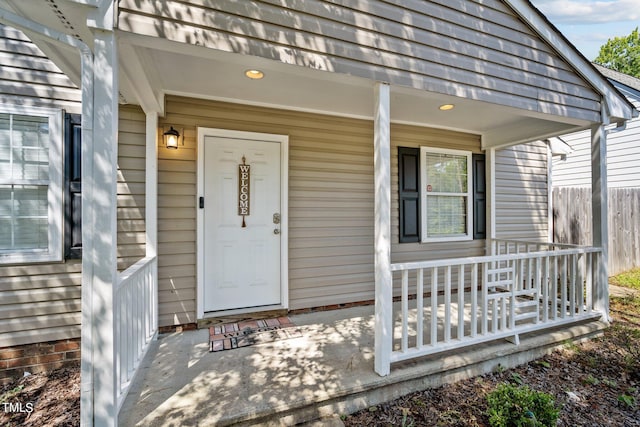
[588, 24]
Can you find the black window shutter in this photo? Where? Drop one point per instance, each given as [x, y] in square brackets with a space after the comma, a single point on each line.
[479, 197]
[409, 194]
[73, 187]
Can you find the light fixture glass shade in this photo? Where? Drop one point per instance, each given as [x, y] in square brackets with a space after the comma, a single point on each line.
[171, 138]
[254, 74]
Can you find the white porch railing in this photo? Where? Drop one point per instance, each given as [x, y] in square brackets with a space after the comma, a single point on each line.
[453, 303]
[135, 319]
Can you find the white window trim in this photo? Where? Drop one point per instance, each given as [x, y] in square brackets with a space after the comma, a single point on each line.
[55, 212]
[423, 195]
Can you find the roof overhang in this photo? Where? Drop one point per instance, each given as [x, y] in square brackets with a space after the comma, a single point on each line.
[152, 67]
[617, 108]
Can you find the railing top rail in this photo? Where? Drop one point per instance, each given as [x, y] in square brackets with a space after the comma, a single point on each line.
[491, 258]
[133, 269]
[529, 242]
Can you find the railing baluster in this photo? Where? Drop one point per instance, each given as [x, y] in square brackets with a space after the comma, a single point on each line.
[514, 300]
[573, 283]
[420, 308]
[405, 310]
[581, 260]
[474, 300]
[589, 283]
[447, 304]
[461, 302]
[434, 306]
[120, 336]
[545, 291]
[563, 285]
[538, 282]
[485, 298]
[129, 321]
[554, 288]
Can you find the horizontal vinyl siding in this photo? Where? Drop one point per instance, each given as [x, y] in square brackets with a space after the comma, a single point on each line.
[28, 77]
[330, 202]
[39, 303]
[131, 186]
[522, 200]
[623, 158]
[480, 51]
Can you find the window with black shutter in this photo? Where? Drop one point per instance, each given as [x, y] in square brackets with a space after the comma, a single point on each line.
[409, 195]
[73, 187]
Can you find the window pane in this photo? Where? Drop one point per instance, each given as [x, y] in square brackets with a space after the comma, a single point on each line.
[5, 234]
[23, 217]
[446, 173]
[446, 215]
[31, 233]
[5, 147]
[5, 201]
[30, 201]
[30, 141]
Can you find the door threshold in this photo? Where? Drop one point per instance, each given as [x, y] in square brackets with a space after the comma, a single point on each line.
[239, 315]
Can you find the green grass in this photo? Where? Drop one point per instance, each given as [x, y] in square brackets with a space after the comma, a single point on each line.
[628, 279]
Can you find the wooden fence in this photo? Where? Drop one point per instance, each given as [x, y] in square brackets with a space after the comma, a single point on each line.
[572, 223]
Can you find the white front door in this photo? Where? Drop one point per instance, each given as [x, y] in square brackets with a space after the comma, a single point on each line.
[241, 260]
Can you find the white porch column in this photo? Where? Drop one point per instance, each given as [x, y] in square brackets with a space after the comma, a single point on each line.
[490, 180]
[382, 230]
[599, 206]
[99, 261]
[151, 201]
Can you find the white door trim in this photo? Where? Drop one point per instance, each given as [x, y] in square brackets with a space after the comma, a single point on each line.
[283, 140]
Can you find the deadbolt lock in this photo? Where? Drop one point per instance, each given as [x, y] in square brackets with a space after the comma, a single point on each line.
[276, 218]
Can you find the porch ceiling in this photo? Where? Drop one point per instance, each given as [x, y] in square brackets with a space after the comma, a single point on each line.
[152, 68]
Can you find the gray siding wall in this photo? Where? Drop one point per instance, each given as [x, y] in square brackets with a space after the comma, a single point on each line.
[522, 198]
[475, 50]
[131, 186]
[330, 202]
[623, 158]
[28, 77]
[38, 302]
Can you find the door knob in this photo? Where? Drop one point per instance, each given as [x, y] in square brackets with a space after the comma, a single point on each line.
[276, 231]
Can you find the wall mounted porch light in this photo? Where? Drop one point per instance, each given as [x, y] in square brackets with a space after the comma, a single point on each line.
[171, 139]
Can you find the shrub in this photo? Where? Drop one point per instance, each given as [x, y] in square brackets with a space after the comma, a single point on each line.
[510, 405]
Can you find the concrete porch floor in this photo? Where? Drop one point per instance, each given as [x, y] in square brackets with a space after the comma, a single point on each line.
[327, 371]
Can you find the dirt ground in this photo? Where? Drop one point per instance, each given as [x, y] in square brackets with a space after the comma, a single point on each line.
[51, 399]
[595, 384]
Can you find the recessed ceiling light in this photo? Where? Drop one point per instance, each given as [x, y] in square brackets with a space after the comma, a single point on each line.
[254, 74]
[446, 107]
